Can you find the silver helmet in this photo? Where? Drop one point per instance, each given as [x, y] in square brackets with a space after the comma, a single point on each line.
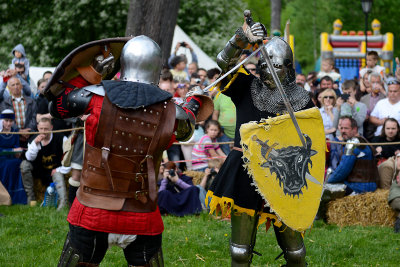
[281, 57]
[141, 60]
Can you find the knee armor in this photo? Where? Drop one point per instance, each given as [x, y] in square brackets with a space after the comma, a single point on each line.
[241, 254]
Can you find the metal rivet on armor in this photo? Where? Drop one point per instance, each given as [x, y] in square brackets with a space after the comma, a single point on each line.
[120, 147]
[148, 125]
[142, 123]
[151, 111]
[141, 151]
[165, 102]
[144, 110]
[116, 132]
[113, 145]
[134, 120]
[134, 150]
[157, 113]
[127, 119]
[155, 126]
[123, 133]
[120, 117]
[140, 137]
[81, 94]
[94, 168]
[165, 106]
[126, 149]
[145, 139]
[74, 105]
[130, 135]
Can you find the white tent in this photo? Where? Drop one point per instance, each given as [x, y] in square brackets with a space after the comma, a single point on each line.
[204, 60]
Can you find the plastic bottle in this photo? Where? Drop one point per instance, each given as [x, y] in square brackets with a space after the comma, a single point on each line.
[50, 196]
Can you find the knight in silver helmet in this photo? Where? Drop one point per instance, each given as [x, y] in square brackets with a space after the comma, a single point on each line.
[255, 99]
[131, 122]
[141, 61]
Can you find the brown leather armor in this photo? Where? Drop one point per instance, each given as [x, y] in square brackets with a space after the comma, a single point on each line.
[364, 170]
[120, 170]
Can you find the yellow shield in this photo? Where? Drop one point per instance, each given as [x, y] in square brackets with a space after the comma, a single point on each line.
[288, 175]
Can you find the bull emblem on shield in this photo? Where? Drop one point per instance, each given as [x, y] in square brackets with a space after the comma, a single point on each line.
[290, 164]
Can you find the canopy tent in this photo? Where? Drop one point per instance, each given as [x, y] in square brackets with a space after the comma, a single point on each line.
[205, 61]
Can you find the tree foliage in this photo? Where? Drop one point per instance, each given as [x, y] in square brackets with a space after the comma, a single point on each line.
[49, 30]
[211, 23]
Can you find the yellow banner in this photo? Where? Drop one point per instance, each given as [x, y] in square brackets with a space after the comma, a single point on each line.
[288, 175]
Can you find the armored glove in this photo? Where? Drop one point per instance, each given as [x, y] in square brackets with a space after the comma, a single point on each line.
[197, 103]
[256, 33]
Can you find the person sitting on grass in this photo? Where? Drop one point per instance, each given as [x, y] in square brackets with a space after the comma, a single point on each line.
[177, 195]
[209, 174]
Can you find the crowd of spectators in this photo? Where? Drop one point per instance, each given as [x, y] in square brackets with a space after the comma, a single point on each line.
[367, 108]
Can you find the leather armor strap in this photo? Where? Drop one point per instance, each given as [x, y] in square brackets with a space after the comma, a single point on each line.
[166, 116]
[105, 150]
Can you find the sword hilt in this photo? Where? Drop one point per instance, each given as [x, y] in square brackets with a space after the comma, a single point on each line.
[249, 19]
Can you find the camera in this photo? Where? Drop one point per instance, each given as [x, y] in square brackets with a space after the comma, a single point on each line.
[183, 44]
[197, 80]
[213, 172]
[345, 97]
[172, 173]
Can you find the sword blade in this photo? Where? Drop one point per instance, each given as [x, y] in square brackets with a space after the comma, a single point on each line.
[283, 94]
[312, 179]
[232, 70]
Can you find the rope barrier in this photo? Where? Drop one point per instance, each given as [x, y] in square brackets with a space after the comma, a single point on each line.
[55, 131]
[202, 159]
[192, 144]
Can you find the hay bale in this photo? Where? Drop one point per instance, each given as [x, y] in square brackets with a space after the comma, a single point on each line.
[197, 176]
[364, 209]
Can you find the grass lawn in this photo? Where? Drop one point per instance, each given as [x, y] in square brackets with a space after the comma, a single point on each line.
[35, 236]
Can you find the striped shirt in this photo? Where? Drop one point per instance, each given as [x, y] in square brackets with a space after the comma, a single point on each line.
[199, 152]
[19, 109]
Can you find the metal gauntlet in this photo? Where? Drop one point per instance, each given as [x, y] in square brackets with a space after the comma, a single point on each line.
[229, 56]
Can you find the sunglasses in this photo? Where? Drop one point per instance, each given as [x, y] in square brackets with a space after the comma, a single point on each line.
[393, 82]
[329, 96]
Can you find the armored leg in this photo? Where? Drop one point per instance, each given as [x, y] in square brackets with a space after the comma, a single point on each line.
[244, 230]
[69, 256]
[292, 245]
[58, 178]
[156, 261]
[27, 179]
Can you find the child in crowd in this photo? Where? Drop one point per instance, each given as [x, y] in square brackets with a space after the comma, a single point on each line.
[209, 174]
[205, 148]
[328, 69]
[21, 59]
[372, 60]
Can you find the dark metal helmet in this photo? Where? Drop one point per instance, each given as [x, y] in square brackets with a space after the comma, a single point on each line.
[141, 60]
[281, 57]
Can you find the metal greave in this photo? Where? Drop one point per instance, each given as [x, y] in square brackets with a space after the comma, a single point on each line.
[243, 238]
[292, 244]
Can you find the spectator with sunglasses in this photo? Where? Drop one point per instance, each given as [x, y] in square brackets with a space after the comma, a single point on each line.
[388, 107]
[328, 112]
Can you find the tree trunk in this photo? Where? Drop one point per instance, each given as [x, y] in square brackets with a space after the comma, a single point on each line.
[276, 15]
[155, 19]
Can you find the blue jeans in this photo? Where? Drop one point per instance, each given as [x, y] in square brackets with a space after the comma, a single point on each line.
[225, 147]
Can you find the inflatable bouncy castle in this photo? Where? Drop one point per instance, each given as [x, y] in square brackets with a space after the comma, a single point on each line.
[348, 49]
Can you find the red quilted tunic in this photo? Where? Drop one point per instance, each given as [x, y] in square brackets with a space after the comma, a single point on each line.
[120, 222]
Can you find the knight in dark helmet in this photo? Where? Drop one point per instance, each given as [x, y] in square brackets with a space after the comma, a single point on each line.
[131, 123]
[256, 99]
